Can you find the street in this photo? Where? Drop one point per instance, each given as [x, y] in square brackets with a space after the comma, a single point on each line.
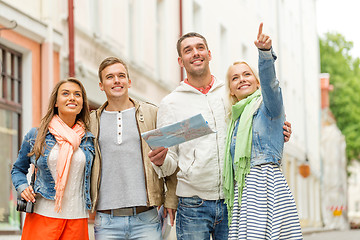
[332, 235]
[328, 235]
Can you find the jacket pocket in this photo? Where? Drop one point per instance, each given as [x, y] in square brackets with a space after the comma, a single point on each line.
[193, 158]
[257, 143]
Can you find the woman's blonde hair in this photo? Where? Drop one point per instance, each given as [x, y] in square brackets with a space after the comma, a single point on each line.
[231, 99]
[83, 116]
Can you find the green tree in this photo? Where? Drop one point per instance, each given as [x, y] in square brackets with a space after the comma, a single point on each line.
[344, 73]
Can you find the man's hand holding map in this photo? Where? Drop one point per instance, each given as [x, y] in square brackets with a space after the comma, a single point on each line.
[177, 133]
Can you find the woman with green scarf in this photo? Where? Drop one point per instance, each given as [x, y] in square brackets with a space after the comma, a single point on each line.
[260, 203]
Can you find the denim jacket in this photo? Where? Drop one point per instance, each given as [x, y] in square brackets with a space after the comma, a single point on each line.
[268, 120]
[44, 183]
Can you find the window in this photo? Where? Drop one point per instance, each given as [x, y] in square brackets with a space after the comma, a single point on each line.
[224, 45]
[244, 51]
[10, 133]
[160, 41]
[131, 34]
[197, 17]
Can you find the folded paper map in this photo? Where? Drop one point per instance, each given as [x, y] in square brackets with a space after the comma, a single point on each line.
[177, 133]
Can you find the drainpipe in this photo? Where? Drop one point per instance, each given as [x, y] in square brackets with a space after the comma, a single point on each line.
[181, 33]
[71, 38]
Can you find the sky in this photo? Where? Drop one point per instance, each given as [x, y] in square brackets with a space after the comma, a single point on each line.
[342, 16]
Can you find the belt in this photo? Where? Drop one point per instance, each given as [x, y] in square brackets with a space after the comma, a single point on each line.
[124, 212]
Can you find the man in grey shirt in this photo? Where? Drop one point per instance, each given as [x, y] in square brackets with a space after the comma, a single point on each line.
[125, 189]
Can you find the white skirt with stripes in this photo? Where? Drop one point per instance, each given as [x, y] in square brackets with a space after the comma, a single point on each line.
[268, 209]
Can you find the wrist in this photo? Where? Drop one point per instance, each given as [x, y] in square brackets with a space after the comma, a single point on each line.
[265, 49]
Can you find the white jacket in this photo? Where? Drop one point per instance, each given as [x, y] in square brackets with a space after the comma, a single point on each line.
[200, 160]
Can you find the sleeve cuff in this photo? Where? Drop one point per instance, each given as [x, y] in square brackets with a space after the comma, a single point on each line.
[267, 54]
[158, 170]
[21, 188]
[171, 203]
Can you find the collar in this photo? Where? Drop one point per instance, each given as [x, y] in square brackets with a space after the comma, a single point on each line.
[100, 109]
[203, 90]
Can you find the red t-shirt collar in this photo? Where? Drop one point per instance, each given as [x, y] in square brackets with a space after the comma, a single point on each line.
[204, 90]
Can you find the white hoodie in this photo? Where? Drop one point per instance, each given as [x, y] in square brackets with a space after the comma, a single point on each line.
[200, 160]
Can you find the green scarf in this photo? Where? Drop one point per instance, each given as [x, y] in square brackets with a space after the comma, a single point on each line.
[244, 110]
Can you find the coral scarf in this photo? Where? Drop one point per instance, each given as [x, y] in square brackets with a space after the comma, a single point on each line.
[69, 140]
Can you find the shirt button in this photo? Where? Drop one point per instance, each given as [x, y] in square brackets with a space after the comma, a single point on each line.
[119, 133]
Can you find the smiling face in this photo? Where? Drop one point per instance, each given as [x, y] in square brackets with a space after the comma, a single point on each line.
[195, 56]
[69, 100]
[115, 81]
[242, 81]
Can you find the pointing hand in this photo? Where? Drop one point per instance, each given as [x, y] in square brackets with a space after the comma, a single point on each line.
[263, 41]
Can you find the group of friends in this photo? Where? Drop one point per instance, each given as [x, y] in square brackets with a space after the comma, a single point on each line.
[227, 185]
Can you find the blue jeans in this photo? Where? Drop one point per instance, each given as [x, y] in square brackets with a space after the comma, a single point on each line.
[144, 225]
[198, 219]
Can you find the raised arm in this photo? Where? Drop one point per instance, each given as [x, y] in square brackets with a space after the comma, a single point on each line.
[270, 89]
[267, 69]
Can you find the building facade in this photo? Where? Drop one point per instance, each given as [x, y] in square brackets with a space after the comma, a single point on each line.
[353, 194]
[334, 187]
[35, 55]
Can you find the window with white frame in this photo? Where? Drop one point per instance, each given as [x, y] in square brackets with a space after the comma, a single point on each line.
[10, 133]
[224, 46]
[160, 41]
[197, 17]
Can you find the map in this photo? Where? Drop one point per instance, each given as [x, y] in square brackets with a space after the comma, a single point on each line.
[177, 133]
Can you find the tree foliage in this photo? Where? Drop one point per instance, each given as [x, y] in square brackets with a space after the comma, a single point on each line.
[344, 73]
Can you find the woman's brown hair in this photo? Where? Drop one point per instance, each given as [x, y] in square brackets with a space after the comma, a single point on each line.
[83, 116]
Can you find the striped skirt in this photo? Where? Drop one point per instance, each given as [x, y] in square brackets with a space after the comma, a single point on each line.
[267, 210]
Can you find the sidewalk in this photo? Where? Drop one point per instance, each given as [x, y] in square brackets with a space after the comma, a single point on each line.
[10, 237]
[353, 234]
[309, 234]
[172, 235]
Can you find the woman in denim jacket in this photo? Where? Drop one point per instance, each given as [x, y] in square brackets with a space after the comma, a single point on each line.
[62, 151]
[260, 204]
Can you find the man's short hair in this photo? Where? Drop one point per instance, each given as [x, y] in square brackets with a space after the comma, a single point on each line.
[189, 35]
[110, 61]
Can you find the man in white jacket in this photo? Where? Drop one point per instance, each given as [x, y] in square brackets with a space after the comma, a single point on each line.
[201, 211]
